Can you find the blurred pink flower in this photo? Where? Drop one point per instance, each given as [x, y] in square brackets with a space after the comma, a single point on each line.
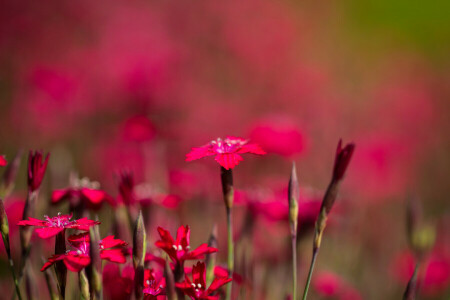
[226, 151]
[328, 284]
[93, 198]
[289, 139]
[3, 161]
[138, 129]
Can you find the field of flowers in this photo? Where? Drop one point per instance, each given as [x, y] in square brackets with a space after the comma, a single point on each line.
[224, 150]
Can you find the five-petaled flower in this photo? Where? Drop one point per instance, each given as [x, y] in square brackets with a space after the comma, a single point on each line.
[111, 249]
[154, 285]
[196, 289]
[36, 169]
[179, 249]
[52, 226]
[227, 151]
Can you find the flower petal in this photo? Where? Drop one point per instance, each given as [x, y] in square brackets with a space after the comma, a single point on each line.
[48, 232]
[199, 152]
[228, 160]
[76, 263]
[114, 255]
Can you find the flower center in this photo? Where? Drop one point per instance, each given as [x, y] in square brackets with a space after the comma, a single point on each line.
[227, 145]
[58, 221]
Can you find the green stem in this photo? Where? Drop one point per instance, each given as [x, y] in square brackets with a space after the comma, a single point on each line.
[411, 288]
[230, 251]
[294, 267]
[311, 268]
[16, 282]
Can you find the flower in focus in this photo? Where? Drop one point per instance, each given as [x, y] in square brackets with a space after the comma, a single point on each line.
[179, 249]
[196, 289]
[52, 226]
[3, 161]
[227, 151]
[154, 286]
[36, 169]
[82, 191]
[111, 249]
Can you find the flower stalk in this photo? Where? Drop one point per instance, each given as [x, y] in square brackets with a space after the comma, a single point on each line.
[226, 176]
[60, 267]
[95, 269]
[293, 195]
[341, 162]
[139, 249]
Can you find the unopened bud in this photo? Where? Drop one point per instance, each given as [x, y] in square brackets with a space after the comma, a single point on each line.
[293, 194]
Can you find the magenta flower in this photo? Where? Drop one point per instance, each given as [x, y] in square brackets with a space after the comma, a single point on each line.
[179, 249]
[3, 161]
[227, 151]
[36, 169]
[196, 289]
[111, 249]
[52, 226]
[154, 286]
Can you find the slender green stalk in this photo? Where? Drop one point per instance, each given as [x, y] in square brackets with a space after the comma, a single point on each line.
[411, 288]
[311, 269]
[294, 267]
[230, 250]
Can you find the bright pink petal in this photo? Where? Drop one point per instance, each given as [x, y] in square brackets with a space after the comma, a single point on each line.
[48, 232]
[58, 195]
[83, 224]
[217, 283]
[228, 161]
[32, 222]
[52, 260]
[199, 152]
[114, 255]
[76, 263]
[166, 237]
[94, 196]
[3, 161]
[200, 251]
[110, 242]
[252, 148]
[183, 236]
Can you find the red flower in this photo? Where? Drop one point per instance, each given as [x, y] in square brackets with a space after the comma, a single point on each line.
[111, 249]
[36, 169]
[196, 289]
[3, 161]
[179, 250]
[153, 287]
[52, 226]
[82, 190]
[226, 151]
[328, 284]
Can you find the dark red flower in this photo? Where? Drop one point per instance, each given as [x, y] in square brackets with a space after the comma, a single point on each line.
[196, 289]
[227, 151]
[36, 169]
[154, 286]
[342, 159]
[111, 249]
[3, 161]
[179, 249]
[52, 226]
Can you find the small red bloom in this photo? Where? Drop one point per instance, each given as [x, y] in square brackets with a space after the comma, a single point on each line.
[36, 169]
[3, 161]
[111, 249]
[154, 286]
[342, 159]
[52, 226]
[179, 250]
[196, 289]
[226, 151]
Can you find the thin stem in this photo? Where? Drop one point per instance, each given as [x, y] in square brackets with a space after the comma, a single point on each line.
[311, 268]
[411, 288]
[294, 267]
[16, 282]
[230, 250]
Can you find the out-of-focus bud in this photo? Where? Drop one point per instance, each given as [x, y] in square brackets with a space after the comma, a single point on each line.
[36, 169]
[95, 274]
[4, 226]
[9, 177]
[170, 282]
[227, 186]
[342, 160]
[210, 259]
[139, 249]
[423, 239]
[421, 236]
[293, 194]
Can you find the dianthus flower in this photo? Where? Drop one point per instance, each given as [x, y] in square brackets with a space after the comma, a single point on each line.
[52, 226]
[111, 249]
[227, 151]
[154, 285]
[196, 289]
[179, 249]
[3, 161]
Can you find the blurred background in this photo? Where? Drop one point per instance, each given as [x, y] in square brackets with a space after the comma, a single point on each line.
[107, 86]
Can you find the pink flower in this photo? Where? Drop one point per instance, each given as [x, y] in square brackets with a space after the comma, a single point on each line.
[36, 169]
[3, 161]
[111, 249]
[139, 129]
[179, 249]
[328, 284]
[153, 286]
[52, 226]
[196, 289]
[226, 151]
[118, 285]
